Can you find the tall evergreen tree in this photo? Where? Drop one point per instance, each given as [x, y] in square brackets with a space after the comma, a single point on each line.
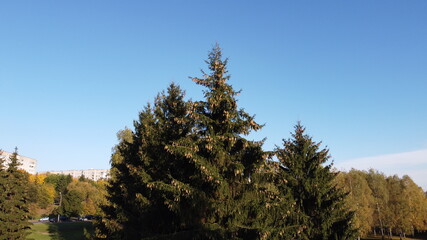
[14, 211]
[319, 203]
[223, 158]
[186, 169]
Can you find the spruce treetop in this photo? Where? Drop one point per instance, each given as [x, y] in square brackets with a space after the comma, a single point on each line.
[14, 162]
[302, 145]
[220, 108]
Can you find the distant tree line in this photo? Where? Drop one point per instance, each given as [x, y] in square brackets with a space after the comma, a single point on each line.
[77, 197]
[384, 205]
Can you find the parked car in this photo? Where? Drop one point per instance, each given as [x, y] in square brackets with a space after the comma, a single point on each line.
[44, 219]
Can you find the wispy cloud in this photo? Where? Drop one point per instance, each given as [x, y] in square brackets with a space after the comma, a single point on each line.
[413, 164]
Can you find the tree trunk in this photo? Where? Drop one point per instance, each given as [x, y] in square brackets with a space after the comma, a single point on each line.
[381, 222]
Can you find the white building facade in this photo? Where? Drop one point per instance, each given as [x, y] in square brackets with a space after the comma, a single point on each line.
[27, 164]
[92, 174]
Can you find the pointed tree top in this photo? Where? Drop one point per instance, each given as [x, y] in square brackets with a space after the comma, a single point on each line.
[14, 163]
[215, 62]
[218, 67]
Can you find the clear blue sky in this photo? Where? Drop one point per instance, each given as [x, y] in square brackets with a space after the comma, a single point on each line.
[74, 73]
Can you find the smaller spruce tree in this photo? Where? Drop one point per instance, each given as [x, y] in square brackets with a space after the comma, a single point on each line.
[319, 204]
[149, 190]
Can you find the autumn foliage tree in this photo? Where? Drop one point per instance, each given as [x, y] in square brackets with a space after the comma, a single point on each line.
[384, 205]
[41, 195]
[359, 199]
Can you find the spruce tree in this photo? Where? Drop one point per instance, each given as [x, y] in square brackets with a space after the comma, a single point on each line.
[3, 195]
[269, 204]
[14, 212]
[147, 180]
[224, 159]
[319, 204]
[185, 170]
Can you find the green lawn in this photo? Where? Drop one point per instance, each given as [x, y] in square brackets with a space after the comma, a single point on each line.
[60, 231]
[76, 231]
[395, 238]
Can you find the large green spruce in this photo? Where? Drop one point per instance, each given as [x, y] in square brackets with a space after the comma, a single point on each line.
[223, 157]
[146, 179]
[183, 171]
[14, 213]
[318, 203]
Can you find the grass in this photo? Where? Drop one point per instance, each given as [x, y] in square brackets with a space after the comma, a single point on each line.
[60, 231]
[76, 231]
[395, 238]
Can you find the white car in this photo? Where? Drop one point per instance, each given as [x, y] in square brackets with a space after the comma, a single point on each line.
[44, 219]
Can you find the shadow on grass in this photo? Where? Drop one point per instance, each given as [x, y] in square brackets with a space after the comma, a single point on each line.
[418, 236]
[70, 230]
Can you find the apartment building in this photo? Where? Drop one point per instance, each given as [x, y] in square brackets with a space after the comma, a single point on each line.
[27, 164]
[92, 174]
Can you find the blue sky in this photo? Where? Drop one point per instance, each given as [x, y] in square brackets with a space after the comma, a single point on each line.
[74, 73]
